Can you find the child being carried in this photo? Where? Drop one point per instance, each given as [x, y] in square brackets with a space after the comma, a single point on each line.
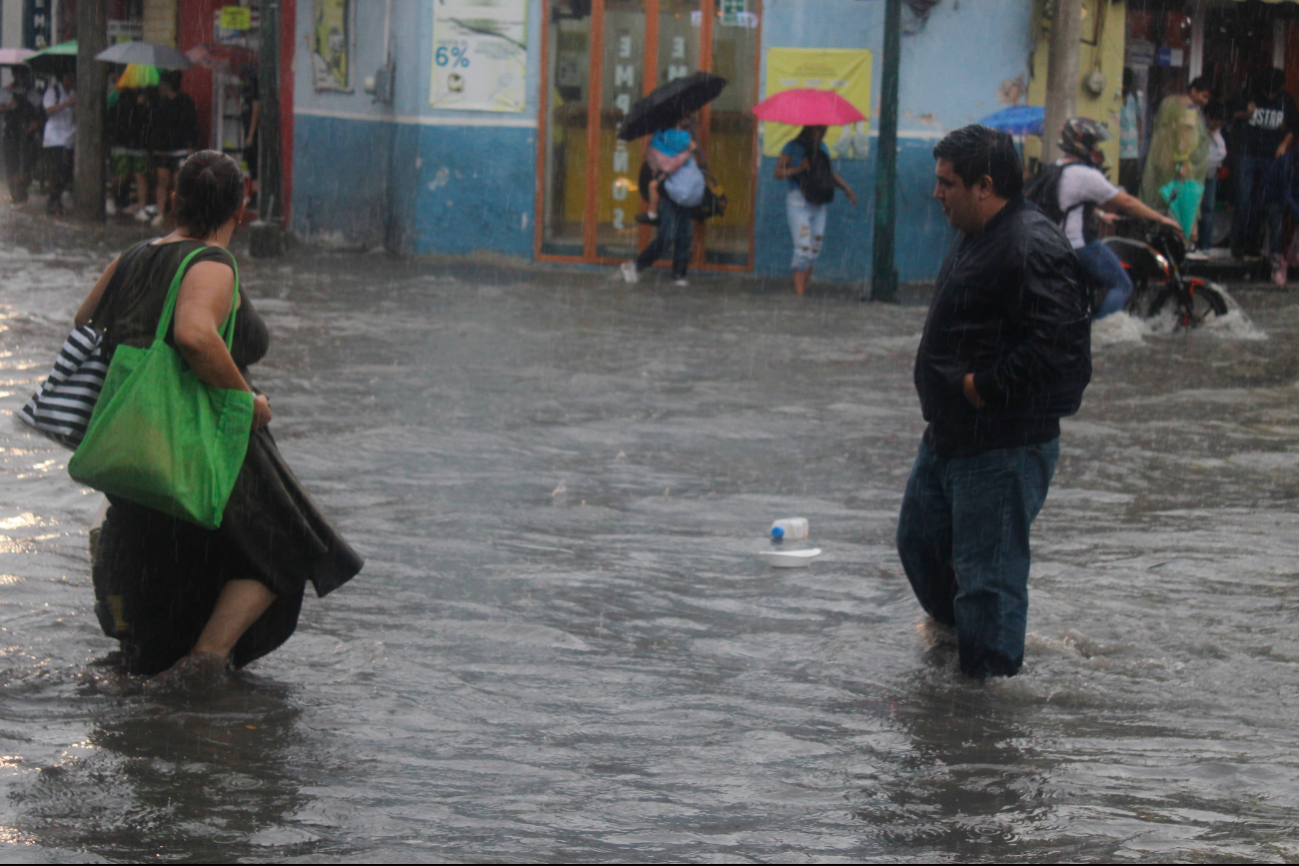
[668, 151]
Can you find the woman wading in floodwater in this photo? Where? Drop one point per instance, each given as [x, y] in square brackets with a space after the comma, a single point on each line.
[175, 595]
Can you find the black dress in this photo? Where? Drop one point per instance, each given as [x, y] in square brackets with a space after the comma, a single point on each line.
[157, 577]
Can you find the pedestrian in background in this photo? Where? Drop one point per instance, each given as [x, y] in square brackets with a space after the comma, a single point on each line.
[23, 117]
[682, 189]
[805, 164]
[1270, 119]
[1130, 128]
[1005, 353]
[59, 138]
[1179, 149]
[174, 135]
[250, 114]
[1215, 117]
[128, 124]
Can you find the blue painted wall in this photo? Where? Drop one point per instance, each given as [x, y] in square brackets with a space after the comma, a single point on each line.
[424, 181]
[406, 176]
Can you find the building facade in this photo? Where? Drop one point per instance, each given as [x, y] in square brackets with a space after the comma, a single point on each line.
[412, 171]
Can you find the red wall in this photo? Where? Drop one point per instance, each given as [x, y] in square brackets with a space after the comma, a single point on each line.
[195, 27]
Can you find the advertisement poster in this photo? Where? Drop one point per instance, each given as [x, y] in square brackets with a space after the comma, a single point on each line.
[480, 55]
[846, 71]
[330, 40]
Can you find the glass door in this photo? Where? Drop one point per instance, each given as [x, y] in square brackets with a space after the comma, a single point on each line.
[600, 57]
[562, 140]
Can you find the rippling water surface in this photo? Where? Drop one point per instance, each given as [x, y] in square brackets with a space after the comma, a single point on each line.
[564, 645]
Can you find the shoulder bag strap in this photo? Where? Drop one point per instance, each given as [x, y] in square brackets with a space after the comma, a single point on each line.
[169, 307]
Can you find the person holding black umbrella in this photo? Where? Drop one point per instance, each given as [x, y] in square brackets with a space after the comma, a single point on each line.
[680, 191]
[680, 181]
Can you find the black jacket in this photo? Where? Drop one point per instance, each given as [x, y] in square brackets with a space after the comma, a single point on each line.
[173, 125]
[1010, 306]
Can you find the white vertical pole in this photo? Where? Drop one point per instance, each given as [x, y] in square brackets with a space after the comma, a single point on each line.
[1196, 66]
[1278, 44]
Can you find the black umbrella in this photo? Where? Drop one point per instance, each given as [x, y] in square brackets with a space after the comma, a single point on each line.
[663, 108]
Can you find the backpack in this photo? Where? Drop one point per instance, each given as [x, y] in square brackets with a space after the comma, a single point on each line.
[1043, 190]
[817, 183]
[714, 203]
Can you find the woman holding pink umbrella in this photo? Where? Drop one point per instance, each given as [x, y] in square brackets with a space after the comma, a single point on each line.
[805, 165]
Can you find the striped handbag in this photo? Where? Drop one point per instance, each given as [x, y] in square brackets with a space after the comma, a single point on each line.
[62, 407]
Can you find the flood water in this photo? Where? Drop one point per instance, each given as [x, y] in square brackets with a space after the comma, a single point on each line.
[564, 645]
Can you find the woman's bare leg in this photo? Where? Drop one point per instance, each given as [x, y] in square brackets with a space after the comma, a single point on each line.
[801, 279]
[238, 606]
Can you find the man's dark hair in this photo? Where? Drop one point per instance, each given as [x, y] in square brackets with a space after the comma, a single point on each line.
[1202, 84]
[209, 190]
[173, 78]
[975, 151]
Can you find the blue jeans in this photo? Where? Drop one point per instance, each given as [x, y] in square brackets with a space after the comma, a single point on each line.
[1207, 204]
[963, 540]
[807, 227]
[1249, 200]
[676, 230]
[1100, 266]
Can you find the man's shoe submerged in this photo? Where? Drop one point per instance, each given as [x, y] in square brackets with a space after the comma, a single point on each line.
[628, 272]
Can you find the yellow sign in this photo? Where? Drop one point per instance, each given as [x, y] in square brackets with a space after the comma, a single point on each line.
[236, 18]
[846, 71]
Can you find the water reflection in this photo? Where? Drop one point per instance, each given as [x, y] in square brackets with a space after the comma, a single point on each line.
[207, 777]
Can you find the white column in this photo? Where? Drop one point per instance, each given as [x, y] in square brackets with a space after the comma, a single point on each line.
[1278, 44]
[1196, 66]
[11, 23]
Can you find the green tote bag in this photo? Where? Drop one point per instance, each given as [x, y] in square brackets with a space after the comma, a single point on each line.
[162, 437]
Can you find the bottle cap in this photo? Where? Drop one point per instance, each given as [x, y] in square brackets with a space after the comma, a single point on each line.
[778, 532]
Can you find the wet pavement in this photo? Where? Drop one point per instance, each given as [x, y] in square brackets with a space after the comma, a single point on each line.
[564, 645]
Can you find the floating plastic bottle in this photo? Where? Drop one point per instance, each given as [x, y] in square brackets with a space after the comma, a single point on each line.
[789, 529]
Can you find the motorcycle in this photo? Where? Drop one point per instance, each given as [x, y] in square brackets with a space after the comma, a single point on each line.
[1152, 254]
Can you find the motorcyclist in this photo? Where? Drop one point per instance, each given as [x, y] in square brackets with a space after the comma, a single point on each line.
[1073, 190]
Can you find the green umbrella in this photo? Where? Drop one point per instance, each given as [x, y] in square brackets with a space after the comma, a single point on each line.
[55, 59]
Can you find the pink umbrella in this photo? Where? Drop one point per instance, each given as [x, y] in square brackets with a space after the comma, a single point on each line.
[14, 56]
[808, 107]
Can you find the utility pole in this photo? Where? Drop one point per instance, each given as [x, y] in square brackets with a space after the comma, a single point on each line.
[92, 38]
[266, 234]
[884, 276]
[1061, 74]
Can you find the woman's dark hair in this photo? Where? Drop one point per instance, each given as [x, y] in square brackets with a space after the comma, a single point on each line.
[173, 78]
[805, 135]
[1215, 111]
[209, 190]
[975, 151]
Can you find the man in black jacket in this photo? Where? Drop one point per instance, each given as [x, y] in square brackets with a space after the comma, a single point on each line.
[1006, 353]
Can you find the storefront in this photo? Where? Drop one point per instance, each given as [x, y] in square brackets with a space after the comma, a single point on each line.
[600, 56]
[1231, 42]
[463, 128]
